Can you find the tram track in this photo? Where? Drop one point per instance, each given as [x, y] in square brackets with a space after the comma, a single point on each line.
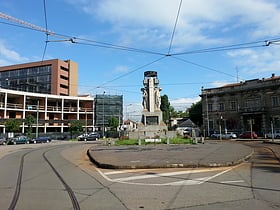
[18, 185]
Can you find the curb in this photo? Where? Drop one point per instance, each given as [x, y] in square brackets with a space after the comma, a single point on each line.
[173, 165]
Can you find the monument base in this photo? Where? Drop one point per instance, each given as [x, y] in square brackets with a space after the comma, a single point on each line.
[152, 125]
[151, 118]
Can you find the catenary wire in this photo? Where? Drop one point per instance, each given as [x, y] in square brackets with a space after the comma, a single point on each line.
[46, 26]
[130, 72]
[174, 29]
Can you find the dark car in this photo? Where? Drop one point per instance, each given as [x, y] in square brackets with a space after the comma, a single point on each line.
[41, 139]
[19, 140]
[90, 137]
[2, 140]
[249, 135]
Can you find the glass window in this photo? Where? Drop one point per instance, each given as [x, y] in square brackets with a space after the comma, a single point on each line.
[275, 101]
[233, 105]
[210, 107]
[221, 106]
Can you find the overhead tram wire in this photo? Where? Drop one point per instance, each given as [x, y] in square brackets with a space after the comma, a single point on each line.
[46, 26]
[113, 46]
[202, 66]
[72, 39]
[174, 29]
[263, 43]
[130, 72]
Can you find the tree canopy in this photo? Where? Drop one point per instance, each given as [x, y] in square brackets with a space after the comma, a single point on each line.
[29, 121]
[113, 123]
[12, 125]
[165, 108]
[76, 126]
[195, 113]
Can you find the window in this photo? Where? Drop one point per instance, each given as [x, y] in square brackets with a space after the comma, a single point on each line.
[275, 101]
[210, 107]
[221, 106]
[233, 106]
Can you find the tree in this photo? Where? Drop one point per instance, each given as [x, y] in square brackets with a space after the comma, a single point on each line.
[76, 127]
[165, 108]
[29, 121]
[195, 112]
[113, 123]
[12, 125]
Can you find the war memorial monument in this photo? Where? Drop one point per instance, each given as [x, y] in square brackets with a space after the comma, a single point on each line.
[152, 124]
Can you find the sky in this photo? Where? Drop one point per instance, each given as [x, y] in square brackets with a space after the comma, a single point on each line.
[190, 43]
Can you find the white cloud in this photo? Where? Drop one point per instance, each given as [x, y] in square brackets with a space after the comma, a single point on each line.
[121, 69]
[9, 56]
[200, 21]
[181, 104]
[219, 83]
[253, 62]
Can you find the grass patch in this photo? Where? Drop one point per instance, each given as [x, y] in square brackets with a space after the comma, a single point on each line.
[163, 141]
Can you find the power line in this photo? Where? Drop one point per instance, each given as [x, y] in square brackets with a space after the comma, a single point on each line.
[174, 29]
[202, 66]
[130, 72]
[239, 46]
[46, 26]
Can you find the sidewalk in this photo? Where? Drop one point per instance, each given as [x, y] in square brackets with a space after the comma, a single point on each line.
[210, 154]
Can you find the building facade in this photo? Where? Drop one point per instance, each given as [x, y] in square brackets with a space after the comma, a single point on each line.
[55, 77]
[53, 113]
[106, 107]
[253, 105]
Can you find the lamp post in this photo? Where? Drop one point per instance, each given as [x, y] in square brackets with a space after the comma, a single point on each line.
[207, 110]
[103, 128]
[86, 120]
[127, 115]
[37, 119]
[220, 126]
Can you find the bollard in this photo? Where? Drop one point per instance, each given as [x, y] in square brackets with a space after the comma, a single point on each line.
[139, 141]
[167, 142]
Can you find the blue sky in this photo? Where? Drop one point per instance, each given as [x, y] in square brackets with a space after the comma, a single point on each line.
[146, 28]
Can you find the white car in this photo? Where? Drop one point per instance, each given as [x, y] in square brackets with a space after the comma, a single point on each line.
[229, 136]
[276, 135]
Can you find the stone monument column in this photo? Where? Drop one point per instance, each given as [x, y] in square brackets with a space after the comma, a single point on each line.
[152, 125]
[151, 114]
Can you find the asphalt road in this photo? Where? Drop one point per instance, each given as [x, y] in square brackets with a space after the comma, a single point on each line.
[253, 184]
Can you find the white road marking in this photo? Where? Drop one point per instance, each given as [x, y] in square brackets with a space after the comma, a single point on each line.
[195, 181]
[233, 181]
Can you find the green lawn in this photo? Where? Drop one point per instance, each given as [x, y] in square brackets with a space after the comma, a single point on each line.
[163, 141]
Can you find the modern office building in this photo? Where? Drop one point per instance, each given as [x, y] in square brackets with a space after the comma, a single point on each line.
[245, 106]
[53, 113]
[55, 77]
[106, 107]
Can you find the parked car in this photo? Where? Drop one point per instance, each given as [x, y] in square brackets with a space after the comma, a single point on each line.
[215, 135]
[248, 135]
[19, 140]
[229, 135]
[187, 131]
[90, 137]
[41, 139]
[276, 135]
[82, 136]
[2, 140]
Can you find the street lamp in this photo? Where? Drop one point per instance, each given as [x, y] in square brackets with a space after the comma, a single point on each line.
[220, 126]
[37, 118]
[127, 115]
[207, 110]
[103, 128]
